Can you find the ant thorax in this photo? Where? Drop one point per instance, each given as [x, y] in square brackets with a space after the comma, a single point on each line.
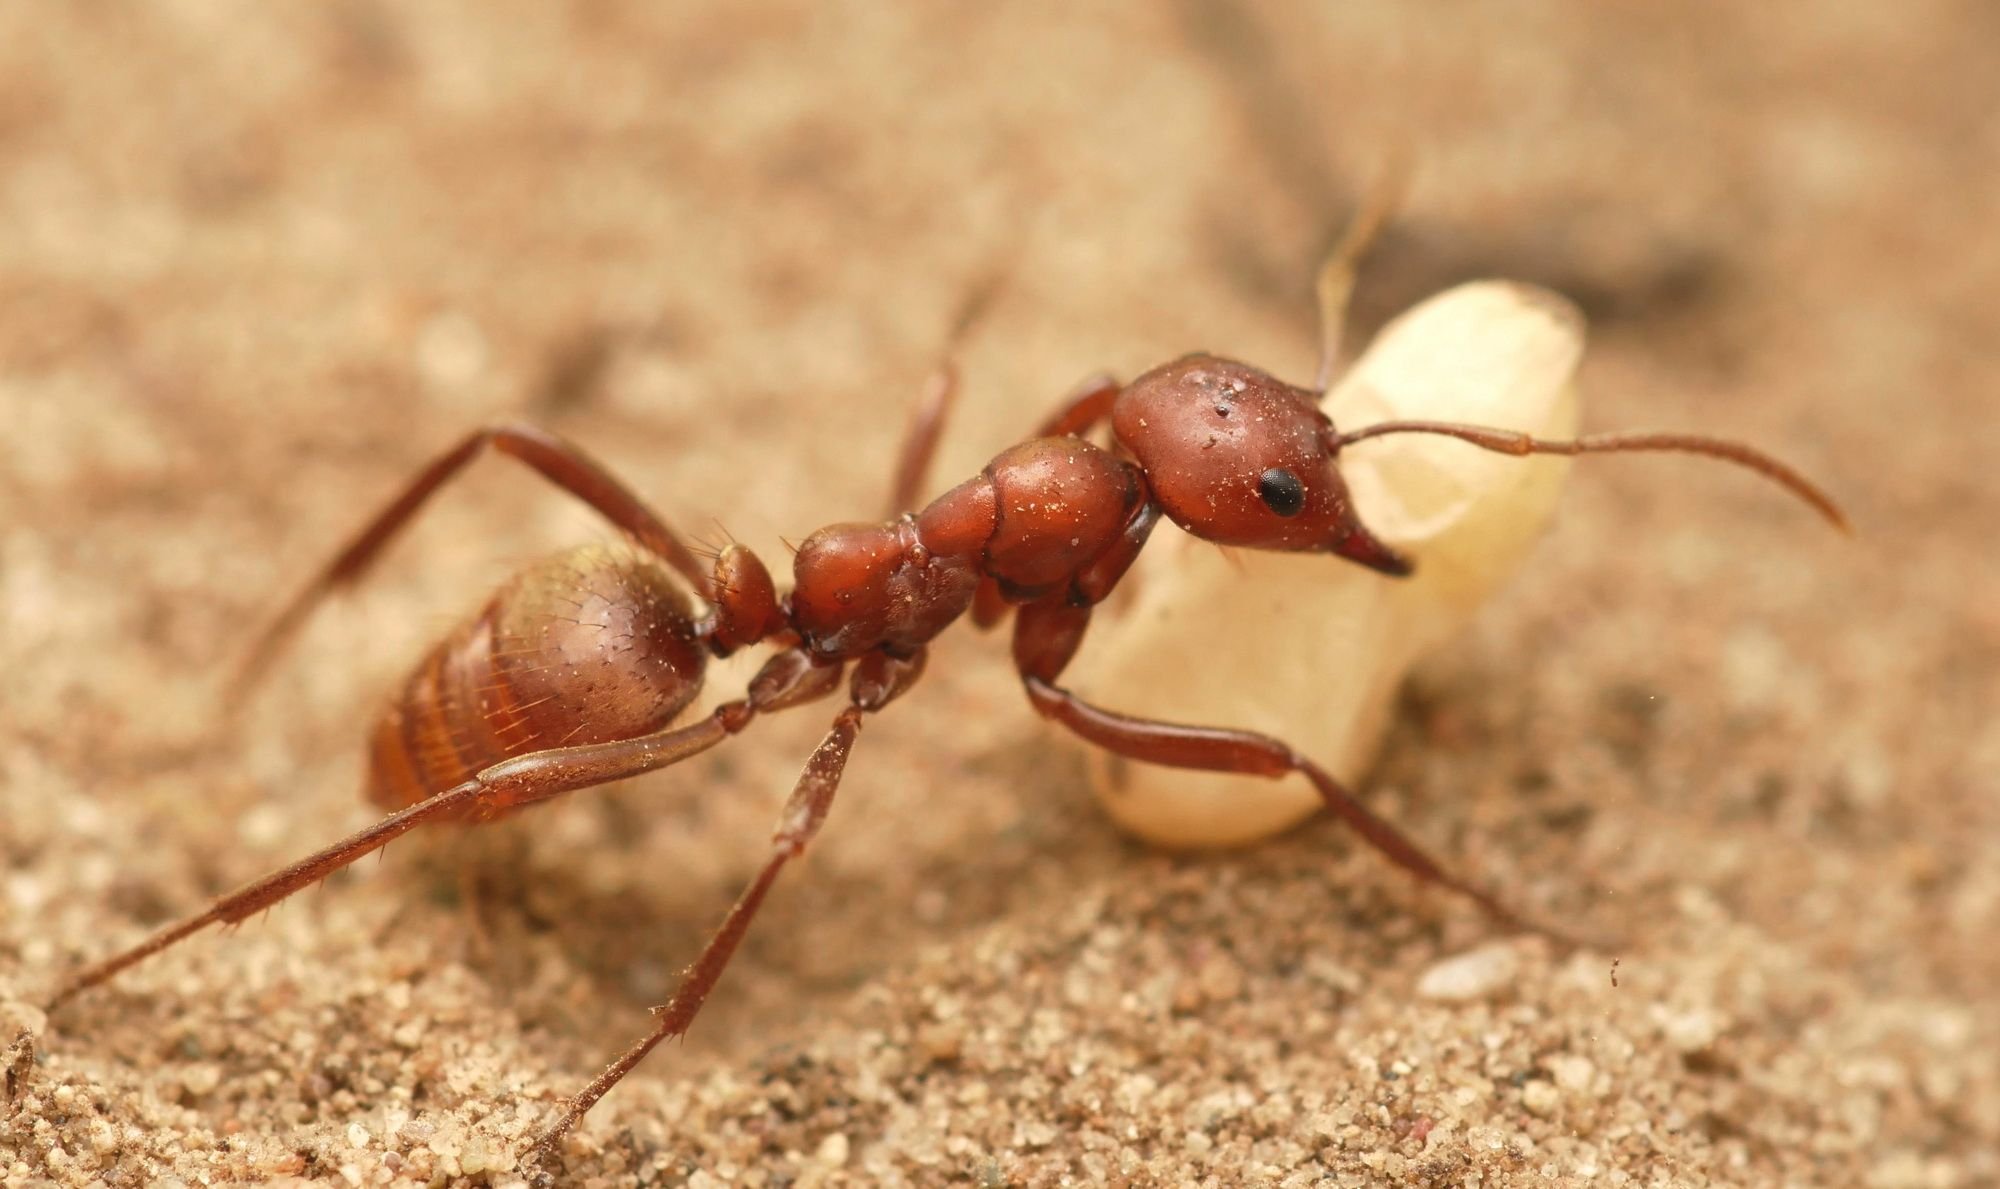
[1032, 521]
[859, 588]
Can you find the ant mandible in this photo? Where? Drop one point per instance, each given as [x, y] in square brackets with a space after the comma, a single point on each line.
[572, 673]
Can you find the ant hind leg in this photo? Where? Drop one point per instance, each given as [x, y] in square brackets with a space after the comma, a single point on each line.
[878, 680]
[787, 679]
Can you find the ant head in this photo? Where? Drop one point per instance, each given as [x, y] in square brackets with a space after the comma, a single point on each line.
[1238, 457]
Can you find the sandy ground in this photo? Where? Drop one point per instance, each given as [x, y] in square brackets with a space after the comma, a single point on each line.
[256, 263]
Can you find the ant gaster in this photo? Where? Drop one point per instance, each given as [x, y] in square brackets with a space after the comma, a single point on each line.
[572, 674]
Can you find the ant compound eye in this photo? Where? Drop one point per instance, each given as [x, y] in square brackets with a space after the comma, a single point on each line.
[1281, 491]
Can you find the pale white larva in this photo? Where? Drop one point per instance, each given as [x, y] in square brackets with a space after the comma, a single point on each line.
[1310, 648]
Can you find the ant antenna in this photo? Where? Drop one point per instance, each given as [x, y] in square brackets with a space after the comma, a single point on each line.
[1506, 441]
[1335, 284]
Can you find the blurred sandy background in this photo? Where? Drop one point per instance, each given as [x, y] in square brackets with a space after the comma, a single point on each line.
[258, 262]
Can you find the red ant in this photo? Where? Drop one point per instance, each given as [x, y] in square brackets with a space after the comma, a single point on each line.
[572, 673]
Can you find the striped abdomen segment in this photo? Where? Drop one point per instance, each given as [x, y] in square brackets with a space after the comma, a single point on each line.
[589, 646]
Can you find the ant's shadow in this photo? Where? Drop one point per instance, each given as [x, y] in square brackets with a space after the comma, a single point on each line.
[623, 896]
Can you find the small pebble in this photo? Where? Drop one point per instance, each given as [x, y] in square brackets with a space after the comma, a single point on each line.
[941, 1042]
[103, 1137]
[482, 1155]
[1540, 1097]
[1573, 1074]
[17, 1016]
[201, 1079]
[1476, 974]
[1220, 979]
[832, 1151]
[1689, 1031]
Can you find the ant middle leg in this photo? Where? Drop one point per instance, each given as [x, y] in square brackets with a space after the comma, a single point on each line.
[787, 679]
[878, 680]
[1047, 635]
[556, 460]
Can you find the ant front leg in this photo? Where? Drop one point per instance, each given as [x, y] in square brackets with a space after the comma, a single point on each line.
[787, 679]
[878, 680]
[1046, 637]
[556, 460]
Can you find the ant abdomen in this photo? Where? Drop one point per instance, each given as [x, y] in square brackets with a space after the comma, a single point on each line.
[588, 646]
